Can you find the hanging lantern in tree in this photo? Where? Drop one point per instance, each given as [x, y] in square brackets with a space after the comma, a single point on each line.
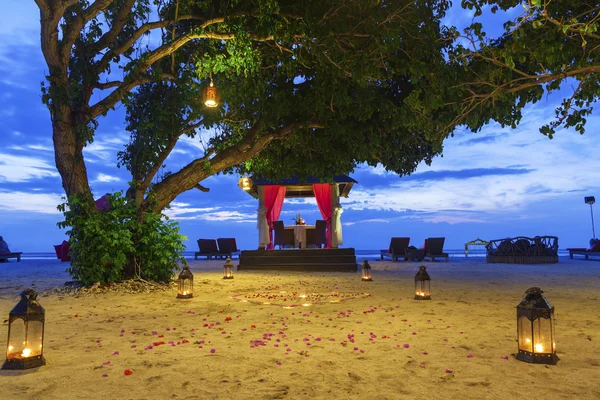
[24, 348]
[366, 271]
[211, 97]
[228, 269]
[186, 284]
[245, 183]
[535, 328]
[422, 284]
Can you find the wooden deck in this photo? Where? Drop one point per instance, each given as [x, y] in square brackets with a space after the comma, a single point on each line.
[306, 260]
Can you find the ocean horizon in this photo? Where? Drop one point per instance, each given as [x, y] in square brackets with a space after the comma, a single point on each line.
[360, 254]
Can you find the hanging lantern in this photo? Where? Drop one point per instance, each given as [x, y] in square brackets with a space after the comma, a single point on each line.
[211, 97]
[228, 269]
[245, 183]
[366, 271]
[24, 348]
[422, 284]
[186, 284]
[535, 329]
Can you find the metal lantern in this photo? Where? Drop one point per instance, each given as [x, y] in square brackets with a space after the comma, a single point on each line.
[186, 284]
[211, 97]
[245, 183]
[228, 269]
[422, 284]
[366, 271]
[535, 329]
[24, 348]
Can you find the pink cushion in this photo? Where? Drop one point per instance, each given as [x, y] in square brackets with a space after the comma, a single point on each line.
[64, 254]
[596, 246]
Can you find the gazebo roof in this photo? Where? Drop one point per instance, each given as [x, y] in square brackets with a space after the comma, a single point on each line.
[296, 188]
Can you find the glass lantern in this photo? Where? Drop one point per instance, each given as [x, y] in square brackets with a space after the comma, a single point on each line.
[366, 271]
[228, 269]
[422, 284]
[245, 183]
[24, 348]
[535, 329]
[211, 97]
[186, 284]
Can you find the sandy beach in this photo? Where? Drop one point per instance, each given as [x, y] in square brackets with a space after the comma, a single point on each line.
[356, 340]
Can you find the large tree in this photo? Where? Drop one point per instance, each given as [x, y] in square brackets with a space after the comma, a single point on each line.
[329, 77]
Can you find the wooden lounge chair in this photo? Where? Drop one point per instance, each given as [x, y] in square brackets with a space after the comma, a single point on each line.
[398, 248]
[207, 247]
[227, 248]
[434, 247]
[594, 251]
[5, 256]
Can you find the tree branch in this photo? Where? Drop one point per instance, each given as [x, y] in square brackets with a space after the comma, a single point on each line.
[202, 188]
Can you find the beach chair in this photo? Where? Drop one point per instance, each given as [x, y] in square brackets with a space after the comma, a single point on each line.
[207, 247]
[434, 247]
[398, 248]
[5, 256]
[581, 251]
[282, 237]
[227, 248]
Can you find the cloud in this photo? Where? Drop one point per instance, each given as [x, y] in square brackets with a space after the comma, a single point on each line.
[44, 203]
[183, 211]
[106, 178]
[23, 168]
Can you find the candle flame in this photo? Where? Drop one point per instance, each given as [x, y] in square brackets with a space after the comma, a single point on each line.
[527, 340]
[26, 353]
[539, 348]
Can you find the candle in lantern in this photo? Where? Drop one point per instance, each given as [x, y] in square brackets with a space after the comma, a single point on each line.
[539, 348]
[26, 353]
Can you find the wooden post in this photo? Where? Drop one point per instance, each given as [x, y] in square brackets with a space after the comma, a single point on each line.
[336, 210]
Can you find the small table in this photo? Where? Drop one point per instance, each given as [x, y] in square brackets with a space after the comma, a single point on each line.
[300, 234]
[419, 254]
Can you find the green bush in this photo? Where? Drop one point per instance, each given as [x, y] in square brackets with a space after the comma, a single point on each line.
[119, 244]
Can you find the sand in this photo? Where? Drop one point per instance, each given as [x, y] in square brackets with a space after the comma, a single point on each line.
[375, 343]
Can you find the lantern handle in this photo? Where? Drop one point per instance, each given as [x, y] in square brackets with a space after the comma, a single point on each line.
[29, 294]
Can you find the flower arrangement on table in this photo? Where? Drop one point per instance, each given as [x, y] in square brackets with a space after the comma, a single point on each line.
[298, 220]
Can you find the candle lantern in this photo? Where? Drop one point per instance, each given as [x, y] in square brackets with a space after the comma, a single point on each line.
[24, 348]
[228, 269]
[245, 183]
[535, 328]
[186, 284]
[366, 271]
[422, 284]
[211, 97]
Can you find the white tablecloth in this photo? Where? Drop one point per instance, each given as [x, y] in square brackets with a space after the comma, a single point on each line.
[300, 234]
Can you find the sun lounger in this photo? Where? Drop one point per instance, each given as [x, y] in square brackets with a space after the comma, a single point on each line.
[227, 248]
[5, 256]
[594, 251]
[434, 247]
[207, 247]
[398, 248]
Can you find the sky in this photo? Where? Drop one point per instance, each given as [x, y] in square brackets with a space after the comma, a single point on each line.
[496, 183]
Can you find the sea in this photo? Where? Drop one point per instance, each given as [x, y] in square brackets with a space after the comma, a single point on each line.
[360, 254]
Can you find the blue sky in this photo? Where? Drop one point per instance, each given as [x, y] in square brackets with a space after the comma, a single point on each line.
[492, 184]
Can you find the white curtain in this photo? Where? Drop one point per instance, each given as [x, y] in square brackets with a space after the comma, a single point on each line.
[336, 237]
[263, 227]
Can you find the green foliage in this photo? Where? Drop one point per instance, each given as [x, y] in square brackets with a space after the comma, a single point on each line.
[117, 244]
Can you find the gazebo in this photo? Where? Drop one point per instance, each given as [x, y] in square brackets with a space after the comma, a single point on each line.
[271, 196]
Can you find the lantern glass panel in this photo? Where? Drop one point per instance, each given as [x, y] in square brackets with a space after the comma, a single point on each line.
[185, 286]
[366, 274]
[542, 336]
[422, 288]
[25, 339]
[525, 334]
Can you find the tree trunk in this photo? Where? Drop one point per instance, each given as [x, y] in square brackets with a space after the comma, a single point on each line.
[68, 155]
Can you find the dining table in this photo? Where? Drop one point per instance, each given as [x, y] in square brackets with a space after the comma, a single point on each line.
[300, 234]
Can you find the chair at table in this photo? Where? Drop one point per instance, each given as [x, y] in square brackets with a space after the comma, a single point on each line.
[311, 239]
[321, 233]
[282, 237]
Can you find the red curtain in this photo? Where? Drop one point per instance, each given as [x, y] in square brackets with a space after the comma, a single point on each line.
[274, 195]
[322, 193]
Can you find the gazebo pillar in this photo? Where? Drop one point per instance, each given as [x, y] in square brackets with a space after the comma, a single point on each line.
[336, 216]
[261, 221]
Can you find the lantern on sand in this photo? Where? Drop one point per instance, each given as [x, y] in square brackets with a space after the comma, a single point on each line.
[211, 96]
[366, 271]
[24, 348]
[186, 284]
[535, 328]
[422, 284]
[228, 269]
